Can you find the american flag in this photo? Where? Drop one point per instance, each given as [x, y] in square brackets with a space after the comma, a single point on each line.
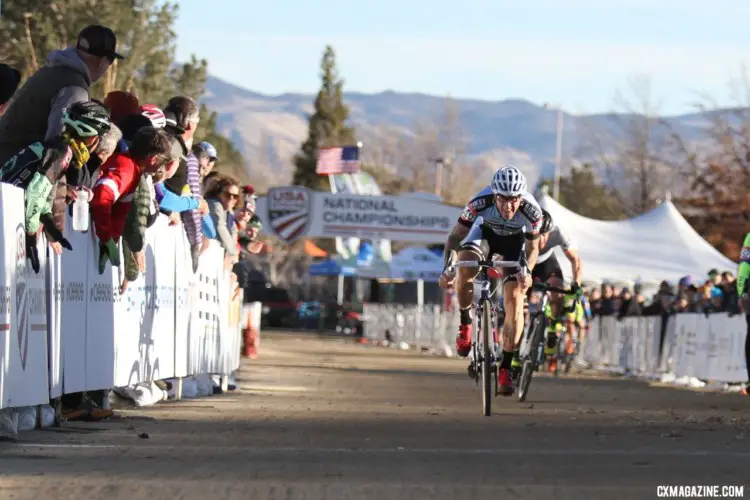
[341, 160]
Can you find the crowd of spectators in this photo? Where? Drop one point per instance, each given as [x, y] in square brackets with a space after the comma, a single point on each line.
[132, 160]
[715, 293]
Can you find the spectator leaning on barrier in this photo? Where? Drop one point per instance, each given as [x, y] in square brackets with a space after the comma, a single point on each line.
[222, 199]
[186, 180]
[35, 114]
[143, 215]
[39, 168]
[9, 80]
[207, 157]
[106, 148]
[113, 193]
[170, 203]
[121, 104]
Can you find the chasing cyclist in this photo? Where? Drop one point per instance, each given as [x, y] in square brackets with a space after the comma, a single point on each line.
[509, 214]
[563, 313]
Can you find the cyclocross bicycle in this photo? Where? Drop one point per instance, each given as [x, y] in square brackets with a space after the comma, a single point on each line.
[565, 358]
[486, 352]
[532, 346]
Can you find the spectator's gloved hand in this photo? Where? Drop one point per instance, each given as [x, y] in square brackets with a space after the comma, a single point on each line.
[54, 234]
[32, 253]
[108, 252]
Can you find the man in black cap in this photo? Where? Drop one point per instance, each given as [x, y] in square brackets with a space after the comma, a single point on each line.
[9, 80]
[36, 111]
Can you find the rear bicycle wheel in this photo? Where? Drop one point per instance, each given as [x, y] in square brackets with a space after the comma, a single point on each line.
[536, 329]
[487, 356]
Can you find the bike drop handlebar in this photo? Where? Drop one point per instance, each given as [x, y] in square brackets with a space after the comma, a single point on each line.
[484, 264]
[544, 287]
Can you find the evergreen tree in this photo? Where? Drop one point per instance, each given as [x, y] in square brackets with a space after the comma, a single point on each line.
[327, 125]
[31, 29]
[582, 193]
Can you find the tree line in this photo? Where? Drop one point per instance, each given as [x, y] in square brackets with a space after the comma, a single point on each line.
[31, 29]
[631, 161]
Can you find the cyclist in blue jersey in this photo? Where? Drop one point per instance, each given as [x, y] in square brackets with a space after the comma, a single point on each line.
[497, 221]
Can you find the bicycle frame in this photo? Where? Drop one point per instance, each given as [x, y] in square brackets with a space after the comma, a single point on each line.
[485, 357]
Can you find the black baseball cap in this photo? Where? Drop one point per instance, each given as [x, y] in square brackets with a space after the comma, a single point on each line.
[98, 41]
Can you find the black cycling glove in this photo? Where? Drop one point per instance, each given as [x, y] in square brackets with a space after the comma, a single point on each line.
[31, 252]
[54, 234]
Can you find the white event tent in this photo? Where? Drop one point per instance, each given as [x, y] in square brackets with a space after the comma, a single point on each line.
[658, 245]
[410, 264]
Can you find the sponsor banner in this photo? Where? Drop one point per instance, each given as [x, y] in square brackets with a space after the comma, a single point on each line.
[710, 347]
[145, 337]
[68, 329]
[24, 380]
[105, 310]
[73, 317]
[185, 292]
[55, 301]
[204, 335]
[293, 212]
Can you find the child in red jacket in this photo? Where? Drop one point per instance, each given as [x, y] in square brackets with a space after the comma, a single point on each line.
[113, 192]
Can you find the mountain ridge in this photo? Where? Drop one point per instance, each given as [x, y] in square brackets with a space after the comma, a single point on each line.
[268, 129]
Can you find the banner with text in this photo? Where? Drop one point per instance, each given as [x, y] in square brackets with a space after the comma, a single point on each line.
[293, 212]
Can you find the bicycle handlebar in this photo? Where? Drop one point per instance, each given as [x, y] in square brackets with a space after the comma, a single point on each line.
[544, 287]
[490, 265]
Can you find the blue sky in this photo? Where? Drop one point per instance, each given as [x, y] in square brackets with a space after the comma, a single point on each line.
[576, 53]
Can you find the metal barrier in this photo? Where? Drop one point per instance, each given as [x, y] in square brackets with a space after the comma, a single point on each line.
[425, 327]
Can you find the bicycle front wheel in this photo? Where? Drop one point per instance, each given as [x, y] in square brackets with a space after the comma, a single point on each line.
[487, 357]
[536, 334]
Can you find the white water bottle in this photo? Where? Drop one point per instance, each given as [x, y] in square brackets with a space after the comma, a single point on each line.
[81, 211]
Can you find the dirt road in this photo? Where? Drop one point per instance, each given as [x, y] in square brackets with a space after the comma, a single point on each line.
[320, 418]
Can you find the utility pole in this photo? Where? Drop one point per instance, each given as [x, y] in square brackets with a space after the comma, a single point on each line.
[441, 163]
[558, 148]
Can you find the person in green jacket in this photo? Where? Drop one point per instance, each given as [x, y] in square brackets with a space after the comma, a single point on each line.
[743, 273]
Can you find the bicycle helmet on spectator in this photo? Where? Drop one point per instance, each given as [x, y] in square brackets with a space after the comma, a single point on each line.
[155, 114]
[509, 181]
[546, 222]
[209, 149]
[87, 119]
[248, 192]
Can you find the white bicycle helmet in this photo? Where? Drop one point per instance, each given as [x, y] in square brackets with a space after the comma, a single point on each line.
[509, 181]
[155, 114]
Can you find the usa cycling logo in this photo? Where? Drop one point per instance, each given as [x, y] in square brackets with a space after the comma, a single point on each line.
[289, 211]
[22, 294]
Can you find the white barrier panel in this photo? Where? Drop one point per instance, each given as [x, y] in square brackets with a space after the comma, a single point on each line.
[170, 322]
[204, 350]
[184, 297]
[25, 379]
[55, 301]
[73, 316]
[710, 347]
[145, 333]
[424, 326]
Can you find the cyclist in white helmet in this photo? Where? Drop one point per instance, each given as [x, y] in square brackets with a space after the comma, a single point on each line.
[510, 217]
